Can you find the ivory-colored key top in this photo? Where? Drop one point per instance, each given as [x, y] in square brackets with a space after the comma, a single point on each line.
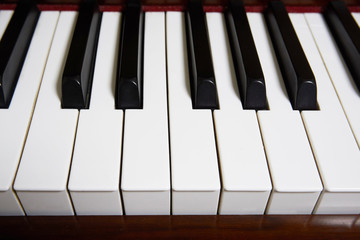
[146, 156]
[334, 145]
[246, 183]
[194, 164]
[95, 170]
[43, 171]
[15, 120]
[295, 179]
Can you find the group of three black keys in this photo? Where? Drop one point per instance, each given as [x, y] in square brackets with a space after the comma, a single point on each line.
[78, 72]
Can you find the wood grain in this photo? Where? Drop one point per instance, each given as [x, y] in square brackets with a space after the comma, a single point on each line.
[182, 227]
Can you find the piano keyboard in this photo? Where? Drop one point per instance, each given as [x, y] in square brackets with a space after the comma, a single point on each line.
[169, 155]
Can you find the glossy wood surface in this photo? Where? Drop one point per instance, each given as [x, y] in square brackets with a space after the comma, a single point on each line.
[182, 227]
[183, 2]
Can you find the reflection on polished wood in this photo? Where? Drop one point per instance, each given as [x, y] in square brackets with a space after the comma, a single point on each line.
[182, 227]
[183, 2]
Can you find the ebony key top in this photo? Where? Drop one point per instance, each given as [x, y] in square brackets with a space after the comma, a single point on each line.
[14, 46]
[248, 70]
[202, 77]
[347, 36]
[297, 74]
[79, 67]
[129, 80]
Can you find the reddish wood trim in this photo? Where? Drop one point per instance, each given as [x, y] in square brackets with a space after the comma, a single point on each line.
[7, 6]
[111, 8]
[166, 3]
[354, 8]
[297, 6]
[257, 8]
[162, 8]
[217, 8]
[58, 7]
[292, 227]
[303, 9]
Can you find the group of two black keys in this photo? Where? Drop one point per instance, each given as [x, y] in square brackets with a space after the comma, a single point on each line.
[78, 72]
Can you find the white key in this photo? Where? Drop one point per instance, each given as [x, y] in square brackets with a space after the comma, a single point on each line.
[43, 172]
[194, 164]
[334, 146]
[356, 16]
[296, 182]
[145, 163]
[340, 75]
[15, 120]
[5, 17]
[246, 183]
[95, 170]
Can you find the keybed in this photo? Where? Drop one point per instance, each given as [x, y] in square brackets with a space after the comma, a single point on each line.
[171, 156]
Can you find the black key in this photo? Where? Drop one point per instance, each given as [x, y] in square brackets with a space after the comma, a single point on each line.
[79, 68]
[202, 78]
[347, 36]
[129, 81]
[297, 74]
[248, 70]
[14, 46]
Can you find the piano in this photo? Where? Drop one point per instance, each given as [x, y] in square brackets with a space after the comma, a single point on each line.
[153, 119]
